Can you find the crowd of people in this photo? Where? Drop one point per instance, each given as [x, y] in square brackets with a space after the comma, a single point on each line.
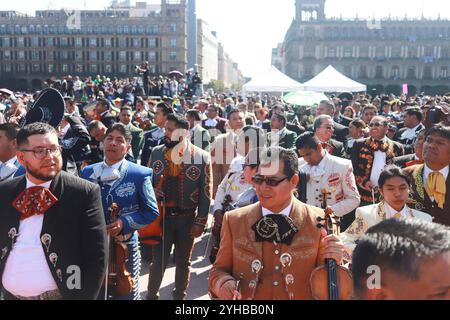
[127, 157]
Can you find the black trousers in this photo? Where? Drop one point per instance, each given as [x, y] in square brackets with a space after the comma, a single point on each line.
[176, 232]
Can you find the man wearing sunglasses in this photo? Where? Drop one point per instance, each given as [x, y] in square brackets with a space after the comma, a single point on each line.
[370, 156]
[269, 249]
[52, 231]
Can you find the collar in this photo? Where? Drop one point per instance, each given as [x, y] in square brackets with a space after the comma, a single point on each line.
[114, 166]
[282, 131]
[128, 126]
[286, 211]
[44, 185]
[195, 128]
[444, 171]
[10, 161]
[391, 212]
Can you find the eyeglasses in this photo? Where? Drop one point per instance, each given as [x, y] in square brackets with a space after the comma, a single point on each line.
[328, 127]
[41, 153]
[272, 182]
[376, 124]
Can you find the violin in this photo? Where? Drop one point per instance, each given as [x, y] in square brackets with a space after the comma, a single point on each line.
[153, 233]
[330, 281]
[118, 280]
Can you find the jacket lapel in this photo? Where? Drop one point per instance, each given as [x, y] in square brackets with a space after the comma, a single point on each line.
[252, 218]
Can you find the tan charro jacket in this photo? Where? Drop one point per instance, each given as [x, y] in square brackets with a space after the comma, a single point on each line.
[239, 250]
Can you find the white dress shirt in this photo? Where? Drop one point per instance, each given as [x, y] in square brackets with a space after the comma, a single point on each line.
[286, 211]
[379, 163]
[211, 123]
[8, 169]
[427, 171]
[410, 133]
[27, 273]
[391, 212]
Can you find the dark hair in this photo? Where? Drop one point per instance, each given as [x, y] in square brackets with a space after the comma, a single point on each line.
[105, 102]
[398, 246]
[251, 132]
[439, 129]
[369, 107]
[319, 120]
[307, 140]
[328, 104]
[95, 124]
[288, 157]
[280, 117]
[358, 123]
[124, 131]
[126, 108]
[233, 111]
[180, 121]
[215, 107]
[11, 130]
[33, 129]
[414, 111]
[392, 171]
[165, 108]
[195, 114]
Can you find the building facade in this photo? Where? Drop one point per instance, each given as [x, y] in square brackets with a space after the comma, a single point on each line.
[208, 52]
[109, 42]
[382, 54]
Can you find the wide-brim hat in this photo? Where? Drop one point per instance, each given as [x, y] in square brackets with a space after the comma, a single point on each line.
[48, 108]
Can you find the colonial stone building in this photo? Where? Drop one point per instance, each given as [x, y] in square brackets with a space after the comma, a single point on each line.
[382, 54]
[109, 42]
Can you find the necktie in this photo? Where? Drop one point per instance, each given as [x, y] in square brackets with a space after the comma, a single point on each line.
[34, 201]
[436, 188]
[398, 215]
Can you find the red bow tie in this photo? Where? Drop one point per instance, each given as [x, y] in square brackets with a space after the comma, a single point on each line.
[34, 201]
[414, 162]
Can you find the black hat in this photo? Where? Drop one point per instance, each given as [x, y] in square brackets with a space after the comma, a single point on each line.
[48, 108]
[346, 95]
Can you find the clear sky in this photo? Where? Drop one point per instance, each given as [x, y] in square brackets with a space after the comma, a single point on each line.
[250, 28]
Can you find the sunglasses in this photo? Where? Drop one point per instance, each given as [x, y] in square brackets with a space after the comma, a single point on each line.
[271, 182]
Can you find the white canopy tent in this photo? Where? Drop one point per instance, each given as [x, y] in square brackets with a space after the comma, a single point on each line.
[331, 80]
[272, 81]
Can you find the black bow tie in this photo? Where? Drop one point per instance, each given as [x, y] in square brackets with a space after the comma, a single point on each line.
[275, 228]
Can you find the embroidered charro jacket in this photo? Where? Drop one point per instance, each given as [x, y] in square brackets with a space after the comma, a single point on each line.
[420, 200]
[367, 217]
[194, 186]
[362, 156]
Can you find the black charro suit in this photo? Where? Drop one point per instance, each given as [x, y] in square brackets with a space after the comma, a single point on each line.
[76, 225]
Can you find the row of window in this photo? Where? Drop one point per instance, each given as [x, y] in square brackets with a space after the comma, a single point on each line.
[68, 68]
[22, 42]
[375, 29]
[389, 73]
[84, 55]
[380, 53]
[85, 29]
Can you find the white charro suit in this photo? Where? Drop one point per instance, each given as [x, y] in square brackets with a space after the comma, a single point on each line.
[367, 217]
[336, 175]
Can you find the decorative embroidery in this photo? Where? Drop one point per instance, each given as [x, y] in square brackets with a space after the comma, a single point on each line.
[333, 180]
[194, 197]
[158, 167]
[193, 173]
[53, 257]
[126, 190]
[349, 180]
[358, 227]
